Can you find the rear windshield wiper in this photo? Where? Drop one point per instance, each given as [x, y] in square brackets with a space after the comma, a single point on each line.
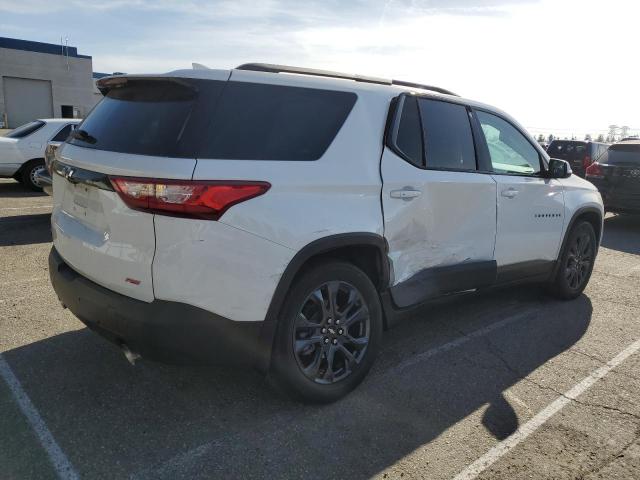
[84, 136]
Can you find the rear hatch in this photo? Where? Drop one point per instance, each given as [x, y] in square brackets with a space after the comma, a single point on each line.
[141, 129]
[571, 151]
[619, 172]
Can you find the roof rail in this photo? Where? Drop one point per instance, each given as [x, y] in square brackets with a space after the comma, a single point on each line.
[271, 68]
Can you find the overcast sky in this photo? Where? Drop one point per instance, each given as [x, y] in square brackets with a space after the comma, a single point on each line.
[556, 65]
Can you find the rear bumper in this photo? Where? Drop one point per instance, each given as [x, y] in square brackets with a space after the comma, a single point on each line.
[166, 331]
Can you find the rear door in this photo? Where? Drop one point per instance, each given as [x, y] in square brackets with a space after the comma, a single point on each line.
[439, 212]
[530, 206]
[142, 128]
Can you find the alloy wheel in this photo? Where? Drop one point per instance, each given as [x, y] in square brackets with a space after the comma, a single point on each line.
[331, 332]
[579, 260]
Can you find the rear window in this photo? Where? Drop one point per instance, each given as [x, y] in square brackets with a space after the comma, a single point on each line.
[567, 150]
[274, 122]
[211, 119]
[26, 129]
[62, 135]
[149, 117]
[622, 155]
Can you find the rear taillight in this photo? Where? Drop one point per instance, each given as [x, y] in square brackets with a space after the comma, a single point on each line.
[594, 170]
[199, 199]
[586, 162]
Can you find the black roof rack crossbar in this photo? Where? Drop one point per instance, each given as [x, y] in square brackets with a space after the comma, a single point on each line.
[271, 68]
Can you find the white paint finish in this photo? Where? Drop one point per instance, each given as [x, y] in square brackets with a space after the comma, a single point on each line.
[125, 164]
[452, 221]
[538, 420]
[103, 239]
[61, 464]
[308, 200]
[14, 152]
[216, 267]
[579, 193]
[521, 236]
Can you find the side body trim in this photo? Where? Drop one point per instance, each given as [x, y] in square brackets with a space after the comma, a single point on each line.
[435, 282]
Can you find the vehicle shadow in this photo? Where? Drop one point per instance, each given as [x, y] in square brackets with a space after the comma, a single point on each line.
[158, 421]
[14, 189]
[622, 233]
[25, 229]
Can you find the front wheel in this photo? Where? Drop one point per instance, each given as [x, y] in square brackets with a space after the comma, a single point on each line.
[329, 333]
[576, 262]
[29, 175]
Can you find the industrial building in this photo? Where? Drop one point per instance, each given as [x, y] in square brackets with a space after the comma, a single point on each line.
[43, 80]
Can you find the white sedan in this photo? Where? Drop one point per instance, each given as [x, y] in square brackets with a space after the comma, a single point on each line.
[22, 149]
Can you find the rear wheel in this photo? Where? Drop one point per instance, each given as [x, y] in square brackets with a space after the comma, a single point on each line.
[329, 333]
[30, 172]
[576, 262]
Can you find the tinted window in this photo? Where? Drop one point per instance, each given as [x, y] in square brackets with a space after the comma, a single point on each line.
[26, 129]
[275, 122]
[509, 149]
[409, 137]
[567, 150]
[622, 154]
[150, 117]
[62, 135]
[447, 133]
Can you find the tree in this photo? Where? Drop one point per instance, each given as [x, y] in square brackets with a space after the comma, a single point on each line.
[540, 138]
[600, 138]
[587, 137]
[551, 138]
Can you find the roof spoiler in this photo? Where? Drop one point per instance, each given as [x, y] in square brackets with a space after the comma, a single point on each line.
[271, 68]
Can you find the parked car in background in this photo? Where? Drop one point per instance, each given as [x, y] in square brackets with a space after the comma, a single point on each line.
[44, 176]
[22, 150]
[579, 154]
[616, 174]
[284, 217]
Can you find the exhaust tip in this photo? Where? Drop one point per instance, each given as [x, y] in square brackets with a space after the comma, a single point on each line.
[131, 356]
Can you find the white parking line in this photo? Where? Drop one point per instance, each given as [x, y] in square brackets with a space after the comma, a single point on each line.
[26, 208]
[177, 463]
[60, 462]
[504, 447]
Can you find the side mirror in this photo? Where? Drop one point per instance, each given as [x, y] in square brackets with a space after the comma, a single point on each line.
[559, 169]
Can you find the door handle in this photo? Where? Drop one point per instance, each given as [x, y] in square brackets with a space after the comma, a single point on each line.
[405, 193]
[509, 192]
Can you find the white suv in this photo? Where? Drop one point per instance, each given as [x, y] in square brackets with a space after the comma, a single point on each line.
[283, 217]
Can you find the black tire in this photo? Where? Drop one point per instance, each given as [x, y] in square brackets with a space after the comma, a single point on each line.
[576, 262]
[28, 172]
[307, 322]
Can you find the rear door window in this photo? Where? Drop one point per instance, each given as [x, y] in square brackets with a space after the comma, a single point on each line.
[275, 122]
[448, 139]
[409, 139]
